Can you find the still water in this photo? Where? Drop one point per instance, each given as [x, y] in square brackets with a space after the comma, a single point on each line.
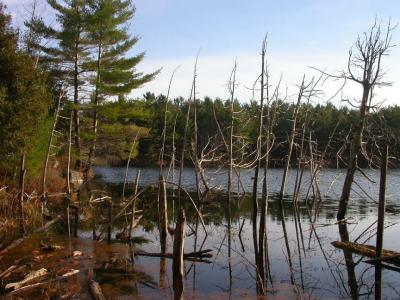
[319, 270]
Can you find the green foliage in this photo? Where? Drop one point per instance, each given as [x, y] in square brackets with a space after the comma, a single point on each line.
[114, 72]
[37, 153]
[24, 97]
[69, 48]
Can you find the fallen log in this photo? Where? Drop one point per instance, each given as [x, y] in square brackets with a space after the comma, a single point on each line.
[95, 290]
[40, 284]
[198, 254]
[17, 242]
[382, 259]
[34, 275]
[389, 256]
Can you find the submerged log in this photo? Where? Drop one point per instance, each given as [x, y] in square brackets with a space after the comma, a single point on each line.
[389, 256]
[95, 290]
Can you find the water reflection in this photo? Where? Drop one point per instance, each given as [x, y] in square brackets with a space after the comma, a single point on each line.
[299, 260]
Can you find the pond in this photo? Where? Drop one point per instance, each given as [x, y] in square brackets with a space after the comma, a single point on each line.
[302, 263]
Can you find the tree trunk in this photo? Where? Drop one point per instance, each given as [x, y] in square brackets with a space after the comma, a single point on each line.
[163, 214]
[177, 263]
[381, 211]
[354, 152]
[95, 113]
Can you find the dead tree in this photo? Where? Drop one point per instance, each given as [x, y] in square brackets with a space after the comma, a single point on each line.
[50, 144]
[185, 134]
[364, 67]
[164, 132]
[258, 149]
[231, 86]
[178, 268]
[302, 89]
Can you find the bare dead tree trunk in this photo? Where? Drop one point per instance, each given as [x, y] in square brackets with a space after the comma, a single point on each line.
[50, 144]
[381, 210]
[185, 134]
[370, 49]
[164, 132]
[259, 154]
[291, 139]
[264, 198]
[354, 152]
[163, 214]
[195, 137]
[173, 168]
[92, 148]
[177, 262]
[127, 164]
[133, 209]
[232, 83]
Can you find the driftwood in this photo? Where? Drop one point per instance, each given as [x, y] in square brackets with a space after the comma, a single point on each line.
[95, 290]
[17, 242]
[389, 256]
[28, 278]
[39, 284]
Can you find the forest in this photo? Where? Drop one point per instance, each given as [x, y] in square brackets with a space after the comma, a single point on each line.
[199, 174]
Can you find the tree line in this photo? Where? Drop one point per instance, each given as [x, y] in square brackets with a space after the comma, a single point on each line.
[122, 120]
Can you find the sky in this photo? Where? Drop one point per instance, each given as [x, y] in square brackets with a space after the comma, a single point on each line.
[301, 33]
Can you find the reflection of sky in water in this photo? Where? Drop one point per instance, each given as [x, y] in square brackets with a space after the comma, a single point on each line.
[330, 181]
[324, 271]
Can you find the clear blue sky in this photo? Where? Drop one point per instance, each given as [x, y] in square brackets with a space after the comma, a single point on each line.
[300, 33]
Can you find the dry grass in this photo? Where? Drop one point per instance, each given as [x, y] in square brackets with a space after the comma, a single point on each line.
[9, 218]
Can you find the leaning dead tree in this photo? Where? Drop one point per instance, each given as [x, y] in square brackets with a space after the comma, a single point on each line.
[365, 68]
[185, 133]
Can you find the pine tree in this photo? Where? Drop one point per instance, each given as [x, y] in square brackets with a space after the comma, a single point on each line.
[67, 53]
[114, 74]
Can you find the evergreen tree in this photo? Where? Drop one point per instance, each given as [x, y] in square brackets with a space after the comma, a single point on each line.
[24, 99]
[67, 52]
[114, 74]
